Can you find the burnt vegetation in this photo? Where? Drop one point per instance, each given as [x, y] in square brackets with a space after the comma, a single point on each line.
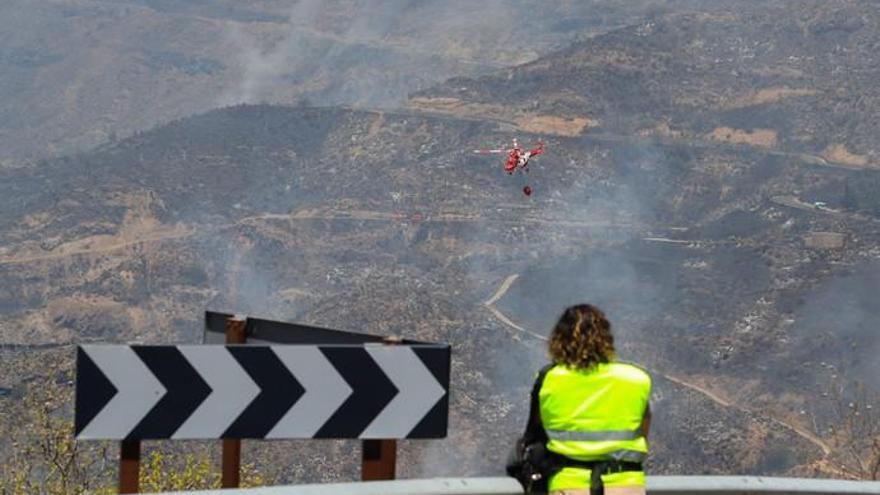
[718, 198]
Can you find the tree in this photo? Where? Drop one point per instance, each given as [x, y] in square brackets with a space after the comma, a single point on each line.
[853, 431]
[46, 459]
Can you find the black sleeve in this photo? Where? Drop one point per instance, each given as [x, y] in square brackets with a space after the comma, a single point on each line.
[534, 428]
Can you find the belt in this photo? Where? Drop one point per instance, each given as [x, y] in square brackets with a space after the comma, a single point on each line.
[606, 467]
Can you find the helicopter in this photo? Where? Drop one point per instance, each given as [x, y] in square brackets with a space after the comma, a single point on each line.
[517, 159]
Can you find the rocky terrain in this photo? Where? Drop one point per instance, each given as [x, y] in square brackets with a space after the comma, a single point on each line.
[710, 181]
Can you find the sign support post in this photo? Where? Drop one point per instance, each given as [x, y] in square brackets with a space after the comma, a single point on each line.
[379, 460]
[129, 466]
[231, 463]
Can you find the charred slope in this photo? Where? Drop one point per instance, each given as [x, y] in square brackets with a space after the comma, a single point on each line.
[716, 244]
[383, 222]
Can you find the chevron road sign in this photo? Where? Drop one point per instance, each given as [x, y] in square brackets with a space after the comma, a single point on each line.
[367, 391]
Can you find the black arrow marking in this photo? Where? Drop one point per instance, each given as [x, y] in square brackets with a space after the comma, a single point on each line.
[279, 390]
[93, 390]
[371, 392]
[435, 423]
[185, 391]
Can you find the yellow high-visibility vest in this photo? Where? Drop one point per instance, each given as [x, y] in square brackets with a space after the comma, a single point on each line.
[593, 415]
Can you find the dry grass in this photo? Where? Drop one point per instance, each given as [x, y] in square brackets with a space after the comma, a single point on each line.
[455, 106]
[558, 126]
[764, 138]
[768, 95]
[837, 153]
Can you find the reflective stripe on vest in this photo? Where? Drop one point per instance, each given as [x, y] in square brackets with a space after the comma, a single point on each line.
[594, 436]
[628, 456]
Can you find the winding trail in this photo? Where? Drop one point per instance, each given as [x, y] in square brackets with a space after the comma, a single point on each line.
[327, 214]
[714, 397]
[505, 286]
[706, 392]
[102, 249]
[804, 433]
[700, 389]
[425, 217]
[490, 305]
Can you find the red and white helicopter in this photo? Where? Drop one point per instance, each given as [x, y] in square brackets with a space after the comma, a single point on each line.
[517, 158]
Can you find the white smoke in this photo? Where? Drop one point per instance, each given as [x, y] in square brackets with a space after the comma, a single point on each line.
[370, 52]
[263, 67]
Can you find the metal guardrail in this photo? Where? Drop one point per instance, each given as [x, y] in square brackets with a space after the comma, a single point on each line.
[657, 485]
[746, 485]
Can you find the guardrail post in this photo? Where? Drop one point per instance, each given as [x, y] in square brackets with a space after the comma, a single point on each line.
[231, 462]
[129, 466]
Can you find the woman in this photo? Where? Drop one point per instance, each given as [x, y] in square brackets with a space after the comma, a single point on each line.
[590, 410]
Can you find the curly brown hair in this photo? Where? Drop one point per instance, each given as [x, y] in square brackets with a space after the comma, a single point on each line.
[582, 338]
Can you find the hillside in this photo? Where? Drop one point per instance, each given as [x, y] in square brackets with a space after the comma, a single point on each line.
[77, 73]
[794, 80]
[743, 296]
